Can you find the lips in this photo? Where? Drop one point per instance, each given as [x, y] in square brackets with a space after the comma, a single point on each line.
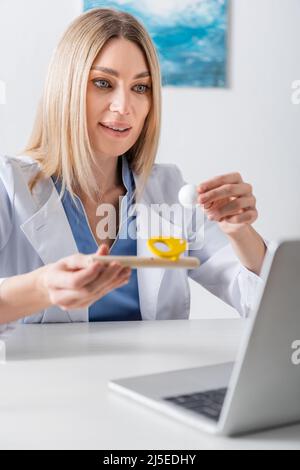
[112, 125]
[115, 134]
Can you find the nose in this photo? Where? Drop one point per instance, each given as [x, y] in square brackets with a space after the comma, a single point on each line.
[120, 101]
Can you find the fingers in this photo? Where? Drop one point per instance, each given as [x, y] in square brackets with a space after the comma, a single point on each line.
[111, 275]
[116, 277]
[77, 270]
[78, 281]
[64, 279]
[121, 280]
[231, 178]
[249, 217]
[225, 191]
[103, 250]
[232, 208]
[73, 263]
[216, 204]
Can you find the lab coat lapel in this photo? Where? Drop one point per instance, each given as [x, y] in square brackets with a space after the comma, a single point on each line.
[150, 224]
[50, 234]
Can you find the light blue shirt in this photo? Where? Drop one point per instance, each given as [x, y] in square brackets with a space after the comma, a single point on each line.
[121, 304]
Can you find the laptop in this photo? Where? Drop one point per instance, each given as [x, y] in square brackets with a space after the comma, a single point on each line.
[261, 390]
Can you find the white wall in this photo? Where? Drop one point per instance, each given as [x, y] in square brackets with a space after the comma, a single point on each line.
[29, 31]
[252, 127]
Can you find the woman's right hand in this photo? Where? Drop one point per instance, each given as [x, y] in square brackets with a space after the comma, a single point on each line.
[72, 283]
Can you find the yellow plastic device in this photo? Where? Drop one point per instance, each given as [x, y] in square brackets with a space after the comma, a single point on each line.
[176, 246]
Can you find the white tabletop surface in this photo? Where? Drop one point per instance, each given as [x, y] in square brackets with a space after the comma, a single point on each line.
[54, 385]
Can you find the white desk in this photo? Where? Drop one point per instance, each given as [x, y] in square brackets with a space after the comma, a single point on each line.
[54, 392]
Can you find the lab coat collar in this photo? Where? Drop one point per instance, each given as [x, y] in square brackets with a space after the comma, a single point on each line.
[50, 234]
[150, 280]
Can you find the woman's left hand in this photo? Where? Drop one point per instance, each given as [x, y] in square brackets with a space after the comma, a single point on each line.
[228, 200]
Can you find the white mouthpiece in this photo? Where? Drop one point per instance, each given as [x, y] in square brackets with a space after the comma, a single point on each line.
[188, 195]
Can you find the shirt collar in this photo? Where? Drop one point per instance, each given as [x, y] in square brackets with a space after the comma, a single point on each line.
[127, 176]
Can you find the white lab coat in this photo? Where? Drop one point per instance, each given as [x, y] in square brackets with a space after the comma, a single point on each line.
[34, 231]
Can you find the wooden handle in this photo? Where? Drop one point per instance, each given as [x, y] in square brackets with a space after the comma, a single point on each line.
[139, 262]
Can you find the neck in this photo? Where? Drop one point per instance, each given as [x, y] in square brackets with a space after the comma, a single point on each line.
[109, 174]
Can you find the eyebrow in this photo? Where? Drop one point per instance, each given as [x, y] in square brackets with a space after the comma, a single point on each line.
[116, 74]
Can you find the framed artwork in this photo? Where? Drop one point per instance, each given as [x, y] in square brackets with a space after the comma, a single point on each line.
[190, 37]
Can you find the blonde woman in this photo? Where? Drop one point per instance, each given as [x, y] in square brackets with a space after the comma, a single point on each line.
[94, 145]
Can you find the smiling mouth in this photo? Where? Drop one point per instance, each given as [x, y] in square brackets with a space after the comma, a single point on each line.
[115, 130]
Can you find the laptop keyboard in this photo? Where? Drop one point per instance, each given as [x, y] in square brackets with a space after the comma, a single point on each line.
[209, 403]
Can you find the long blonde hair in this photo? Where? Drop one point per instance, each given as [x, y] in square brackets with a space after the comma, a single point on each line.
[59, 141]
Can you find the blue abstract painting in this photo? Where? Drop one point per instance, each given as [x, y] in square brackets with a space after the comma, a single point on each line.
[190, 37]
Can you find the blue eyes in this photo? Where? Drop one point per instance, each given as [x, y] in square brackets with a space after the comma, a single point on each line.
[145, 88]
